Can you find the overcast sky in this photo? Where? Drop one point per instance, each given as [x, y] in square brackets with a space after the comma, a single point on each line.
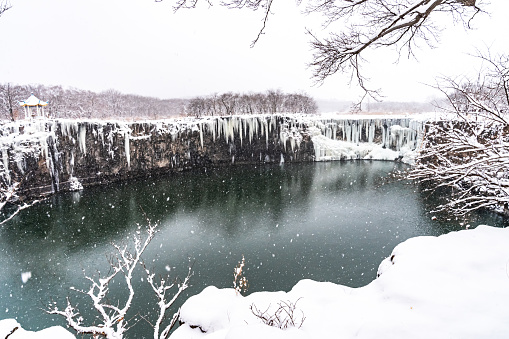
[142, 47]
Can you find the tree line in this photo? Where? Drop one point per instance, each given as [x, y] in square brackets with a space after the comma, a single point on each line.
[270, 102]
[78, 103]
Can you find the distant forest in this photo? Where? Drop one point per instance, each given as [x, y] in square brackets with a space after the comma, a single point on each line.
[270, 102]
[78, 103]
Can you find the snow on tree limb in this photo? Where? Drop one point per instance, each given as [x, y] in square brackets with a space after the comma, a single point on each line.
[113, 320]
[470, 156]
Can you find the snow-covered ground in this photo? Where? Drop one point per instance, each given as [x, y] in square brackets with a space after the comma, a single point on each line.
[451, 286]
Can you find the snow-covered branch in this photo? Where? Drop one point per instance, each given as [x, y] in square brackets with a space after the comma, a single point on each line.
[113, 318]
[161, 289]
[9, 195]
[470, 156]
[472, 162]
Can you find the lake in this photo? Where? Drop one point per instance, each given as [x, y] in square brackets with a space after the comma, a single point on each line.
[333, 221]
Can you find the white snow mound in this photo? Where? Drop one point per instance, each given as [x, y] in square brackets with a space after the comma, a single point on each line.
[12, 329]
[451, 286]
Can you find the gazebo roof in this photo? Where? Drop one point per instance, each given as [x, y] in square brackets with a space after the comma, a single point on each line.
[33, 101]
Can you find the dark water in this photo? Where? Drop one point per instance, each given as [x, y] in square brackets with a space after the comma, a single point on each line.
[325, 221]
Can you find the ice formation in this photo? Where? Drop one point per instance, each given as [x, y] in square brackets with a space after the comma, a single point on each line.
[277, 137]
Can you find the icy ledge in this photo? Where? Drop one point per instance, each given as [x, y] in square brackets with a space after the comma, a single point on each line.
[451, 286]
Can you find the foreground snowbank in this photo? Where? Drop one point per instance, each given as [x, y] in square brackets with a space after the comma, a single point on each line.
[10, 328]
[451, 286]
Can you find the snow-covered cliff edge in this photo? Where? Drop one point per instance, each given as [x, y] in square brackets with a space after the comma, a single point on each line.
[46, 156]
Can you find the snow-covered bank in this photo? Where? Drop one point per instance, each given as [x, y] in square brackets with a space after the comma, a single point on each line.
[10, 328]
[451, 286]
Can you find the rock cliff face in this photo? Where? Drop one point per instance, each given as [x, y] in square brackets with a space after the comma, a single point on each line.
[44, 157]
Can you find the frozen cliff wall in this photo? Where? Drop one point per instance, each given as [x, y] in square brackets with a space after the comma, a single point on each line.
[43, 157]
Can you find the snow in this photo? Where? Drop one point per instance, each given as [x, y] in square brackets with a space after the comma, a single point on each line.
[75, 184]
[33, 101]
[25, 276]
[452, 286]
[54, 332]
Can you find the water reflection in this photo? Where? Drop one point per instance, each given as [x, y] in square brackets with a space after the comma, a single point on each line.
[325, 221]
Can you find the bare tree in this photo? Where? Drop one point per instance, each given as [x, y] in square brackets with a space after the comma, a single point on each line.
[10, 96]
[470, 156]
[403, 24]
[229, 101]
[78, 103]
[486, 98]
[271, 102]
[364, 25]
[275, 99]
[196, 107]
[113, 316]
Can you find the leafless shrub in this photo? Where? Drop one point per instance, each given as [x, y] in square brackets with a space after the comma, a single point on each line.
[284, 316]
[240, 283]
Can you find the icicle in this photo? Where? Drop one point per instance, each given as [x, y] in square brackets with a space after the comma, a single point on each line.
[201, 134]
[127, 149]
[100, 130]
[371, 131]
[239, 124]
[5, 158]
[266, 133]
[71, 163]
[82, 136]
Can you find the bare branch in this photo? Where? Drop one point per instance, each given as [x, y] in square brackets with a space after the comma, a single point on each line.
[113, 317]
[4, 6]
[363, 25]
[283, 316]
[470, 156]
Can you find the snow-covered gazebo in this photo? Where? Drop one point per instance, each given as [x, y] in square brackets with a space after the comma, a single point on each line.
[34, 107]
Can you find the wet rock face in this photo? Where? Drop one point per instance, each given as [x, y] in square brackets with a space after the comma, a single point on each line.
[45, 157]
[99, 153]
